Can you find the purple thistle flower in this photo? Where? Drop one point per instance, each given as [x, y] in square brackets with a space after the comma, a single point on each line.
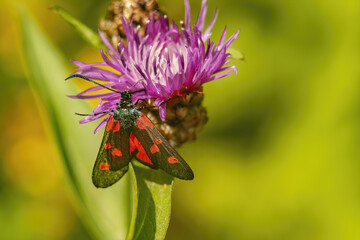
[168, 61]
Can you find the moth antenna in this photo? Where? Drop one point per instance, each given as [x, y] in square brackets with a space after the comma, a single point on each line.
[138, 82]
[94, 114]
[145, 107]
[164, 102]
[92, 81]
[141, 90]
[149, 107]
[140, 99]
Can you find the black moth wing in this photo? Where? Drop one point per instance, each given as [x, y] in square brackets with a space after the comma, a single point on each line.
[159, 150]
[114, 155]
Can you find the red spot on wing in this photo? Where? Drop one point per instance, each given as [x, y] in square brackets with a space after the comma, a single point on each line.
[132, 144]
[107, 146]
[141, 155]
[157, 141]
[109, 124]
[139, 124]
[172, 160]
[116, 152]
[104, 166]
[146, 121]
[116, 126]
[154, 149]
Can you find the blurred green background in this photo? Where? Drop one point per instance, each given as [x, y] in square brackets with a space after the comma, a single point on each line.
[279, 158]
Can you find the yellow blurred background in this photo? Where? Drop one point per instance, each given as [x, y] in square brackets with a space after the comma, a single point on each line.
[279, 158]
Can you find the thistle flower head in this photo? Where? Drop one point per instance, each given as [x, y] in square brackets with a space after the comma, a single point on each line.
[168, 61]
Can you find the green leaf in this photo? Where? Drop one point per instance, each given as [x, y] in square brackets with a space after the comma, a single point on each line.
[110, 213]
[85, 32]
[152, 205]
[106, 212]
[236, 54]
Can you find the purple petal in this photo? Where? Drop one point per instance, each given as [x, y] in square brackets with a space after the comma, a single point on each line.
[108, 44]
[102, 124]
[221, 75]
[206, 34]
[232, 39]
[202, 14]
[222, 38]
[162, 112]
[99, 74]
[91, 118]
[96, 88]
[85, 65]
[100, 95]
[109, 63]
[187, 14]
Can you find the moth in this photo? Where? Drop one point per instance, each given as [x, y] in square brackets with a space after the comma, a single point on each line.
[131, 134]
